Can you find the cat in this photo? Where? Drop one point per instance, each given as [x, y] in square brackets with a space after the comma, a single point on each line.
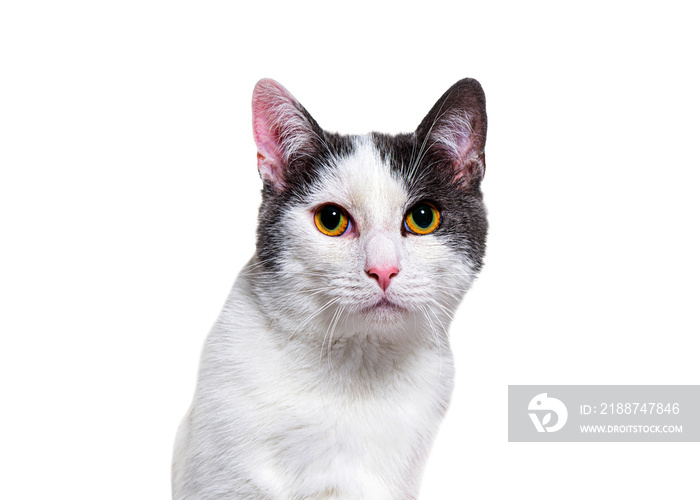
[329, 370]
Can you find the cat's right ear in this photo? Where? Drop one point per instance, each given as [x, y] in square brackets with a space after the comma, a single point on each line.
[283, 130]
[455, 131]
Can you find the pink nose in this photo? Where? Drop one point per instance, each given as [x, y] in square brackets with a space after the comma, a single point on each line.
[383, 275]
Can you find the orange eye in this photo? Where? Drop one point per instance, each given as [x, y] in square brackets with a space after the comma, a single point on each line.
[331, 220]
[423, 218]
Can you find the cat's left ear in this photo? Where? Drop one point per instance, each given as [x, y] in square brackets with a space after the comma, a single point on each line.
[455, 130]
[283, 131]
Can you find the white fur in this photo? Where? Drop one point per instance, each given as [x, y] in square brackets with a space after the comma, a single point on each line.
[303, 392]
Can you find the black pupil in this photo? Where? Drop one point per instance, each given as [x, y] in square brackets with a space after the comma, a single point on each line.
[422, 216]
[330, 217]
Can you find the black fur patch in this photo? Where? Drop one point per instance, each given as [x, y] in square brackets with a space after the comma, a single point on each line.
[302, 172]
[463, 224]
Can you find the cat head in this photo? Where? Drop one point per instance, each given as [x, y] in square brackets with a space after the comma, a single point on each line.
[376, 233]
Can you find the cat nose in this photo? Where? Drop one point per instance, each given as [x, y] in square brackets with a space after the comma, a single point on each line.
[383, 275]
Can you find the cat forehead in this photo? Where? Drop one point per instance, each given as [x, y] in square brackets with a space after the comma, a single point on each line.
[362, 183]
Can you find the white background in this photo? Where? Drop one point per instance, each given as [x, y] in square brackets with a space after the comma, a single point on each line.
[129, 191]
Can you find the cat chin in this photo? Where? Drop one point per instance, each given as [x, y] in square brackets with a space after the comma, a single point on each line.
[384, 316]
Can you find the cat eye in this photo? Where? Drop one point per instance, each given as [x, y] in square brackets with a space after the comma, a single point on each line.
[331, 220]
[423, 218]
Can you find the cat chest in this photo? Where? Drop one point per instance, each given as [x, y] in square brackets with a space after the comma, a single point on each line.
[360, 447]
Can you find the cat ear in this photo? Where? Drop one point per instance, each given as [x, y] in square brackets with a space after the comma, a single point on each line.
[283, 130]
[455, 129]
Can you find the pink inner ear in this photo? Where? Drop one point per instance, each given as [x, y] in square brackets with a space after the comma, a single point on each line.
[266, 98]
[455, 136]
[279, 128]
[270, 157]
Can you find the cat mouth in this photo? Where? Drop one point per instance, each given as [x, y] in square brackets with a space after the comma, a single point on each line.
[383, 304]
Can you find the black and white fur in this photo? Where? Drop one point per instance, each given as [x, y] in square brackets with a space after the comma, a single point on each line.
[316, 382]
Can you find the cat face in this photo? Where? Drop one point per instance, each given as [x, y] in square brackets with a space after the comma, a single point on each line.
[378, 233]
